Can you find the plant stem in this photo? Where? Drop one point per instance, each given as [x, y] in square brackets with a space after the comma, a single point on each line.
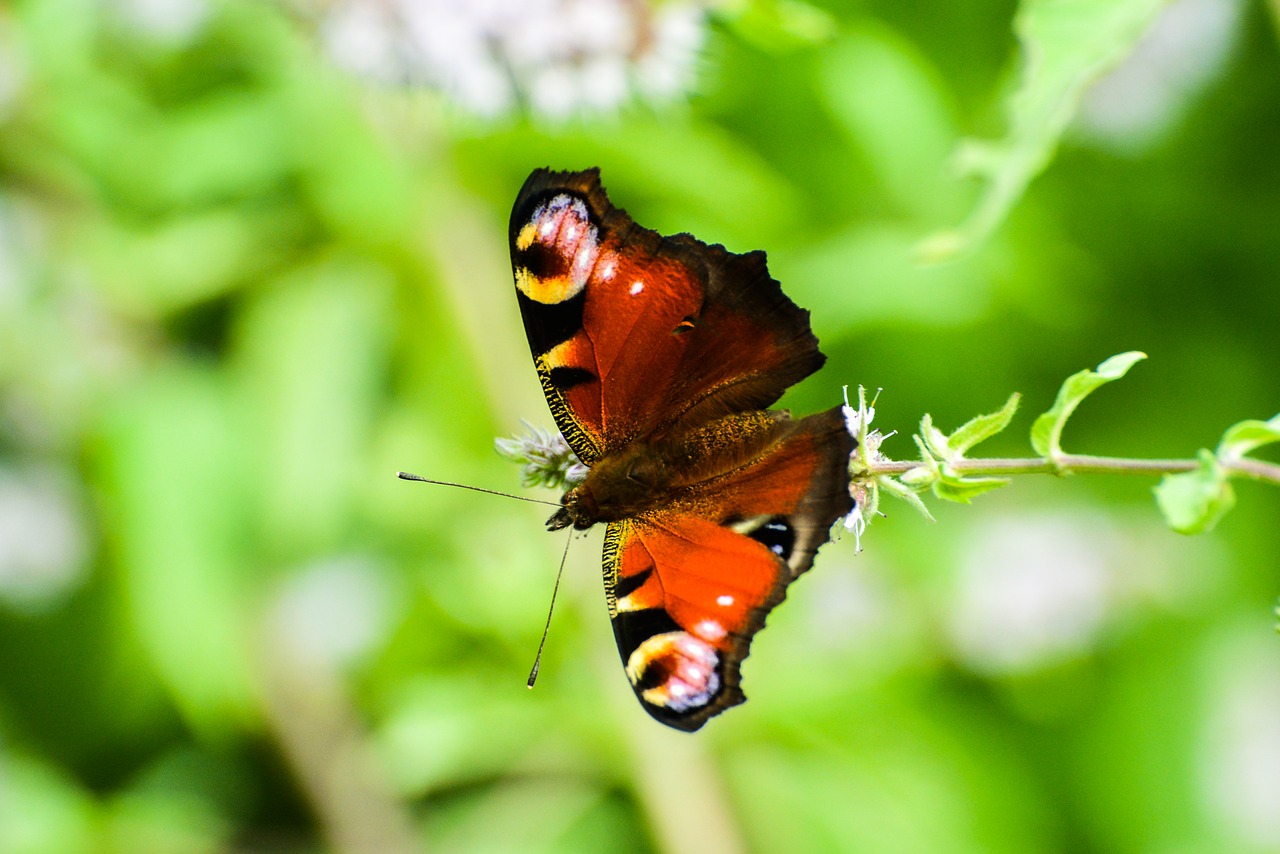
[1073, 463]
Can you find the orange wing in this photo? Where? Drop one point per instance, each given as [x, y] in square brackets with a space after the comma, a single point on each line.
[634, 334]
[690, 584]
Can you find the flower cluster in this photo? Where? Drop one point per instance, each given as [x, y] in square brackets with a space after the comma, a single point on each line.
[557, 57]
[545, 456]
[866, 496]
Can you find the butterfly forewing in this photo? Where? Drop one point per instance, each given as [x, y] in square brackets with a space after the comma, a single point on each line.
[632, 332]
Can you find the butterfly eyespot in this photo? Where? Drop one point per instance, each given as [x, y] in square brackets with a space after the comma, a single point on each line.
[542, 261]
[675, 670]
[555, 251]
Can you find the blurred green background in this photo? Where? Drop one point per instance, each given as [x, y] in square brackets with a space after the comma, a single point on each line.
[253, 261]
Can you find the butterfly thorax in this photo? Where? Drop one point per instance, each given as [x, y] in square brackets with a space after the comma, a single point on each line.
[656, 472]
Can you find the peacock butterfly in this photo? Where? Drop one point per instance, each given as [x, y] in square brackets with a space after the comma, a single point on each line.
[659, 357]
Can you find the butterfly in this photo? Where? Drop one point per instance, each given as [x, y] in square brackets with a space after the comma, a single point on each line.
[659, 357]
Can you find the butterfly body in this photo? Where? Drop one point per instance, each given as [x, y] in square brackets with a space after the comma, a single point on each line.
[659, 357]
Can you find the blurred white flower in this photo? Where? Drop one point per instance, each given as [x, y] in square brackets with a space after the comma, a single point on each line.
[1241, 773]
[1031, 590]
[559, 57]
[333, 612]
[44, 541]
[1186, 47]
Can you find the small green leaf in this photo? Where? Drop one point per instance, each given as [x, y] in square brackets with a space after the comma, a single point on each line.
[1247, 436]
[1194, 501]
[983, 427]
[918, 477]
[927, 458]
[906, 493]
[779, 25]
[1046, 432]
[963, 490]
[934, 439]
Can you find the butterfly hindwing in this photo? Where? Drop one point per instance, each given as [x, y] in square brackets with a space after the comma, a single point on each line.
[691, 583]
[634, 334]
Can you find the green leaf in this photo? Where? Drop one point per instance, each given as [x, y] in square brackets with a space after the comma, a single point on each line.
[1065, 47]
[308, 356]
[780, 25]
[983, 427]
[173, 463]
[963, 490]
[918, 477]
[1046, 432]
[934, 439]
[44, 809]
[1247, 436]
[1194, 501]
[148, 270]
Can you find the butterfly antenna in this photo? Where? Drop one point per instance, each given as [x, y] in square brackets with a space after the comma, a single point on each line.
[537, 662]
[404, 475]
